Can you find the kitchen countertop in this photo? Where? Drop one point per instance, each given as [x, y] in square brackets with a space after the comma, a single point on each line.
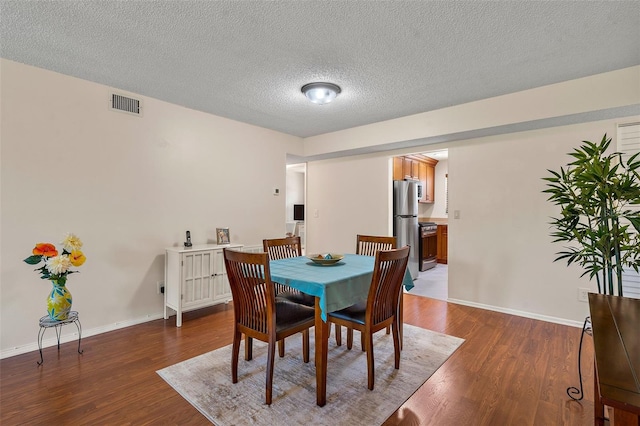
[437, 220]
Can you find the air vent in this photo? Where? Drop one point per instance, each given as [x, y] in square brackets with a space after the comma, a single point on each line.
[126, 104]
[628, 139]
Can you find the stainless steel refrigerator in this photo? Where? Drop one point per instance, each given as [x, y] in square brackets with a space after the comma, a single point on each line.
[405, 220]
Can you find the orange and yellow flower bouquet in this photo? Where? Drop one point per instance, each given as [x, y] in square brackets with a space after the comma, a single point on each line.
[56, 268]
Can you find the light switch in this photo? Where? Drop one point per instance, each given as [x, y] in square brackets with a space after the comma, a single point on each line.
[316, 213]
[276, 191]
[456, 214]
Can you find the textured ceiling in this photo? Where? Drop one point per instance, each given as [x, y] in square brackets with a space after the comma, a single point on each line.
[246, 60]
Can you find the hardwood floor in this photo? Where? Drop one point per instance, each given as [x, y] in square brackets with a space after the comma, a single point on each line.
[510, 371]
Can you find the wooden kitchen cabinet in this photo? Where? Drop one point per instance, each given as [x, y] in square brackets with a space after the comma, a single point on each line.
[422, 177]
[194, 278]
[443, 245]
[415, 169]
[420, 168]
[429, 188]
[398, 172]
[427, 177]
[405, 168]
[409, 168]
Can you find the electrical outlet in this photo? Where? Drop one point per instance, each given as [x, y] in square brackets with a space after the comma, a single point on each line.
[583, 294]
[160, 285]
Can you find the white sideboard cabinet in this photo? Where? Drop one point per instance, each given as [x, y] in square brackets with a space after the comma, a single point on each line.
[194, 278]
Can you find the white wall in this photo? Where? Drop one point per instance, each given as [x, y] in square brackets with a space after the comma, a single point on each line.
[440, 203]
[130, 186]
[500, 252]
[127, 186]
[352, 196]
[613, 89]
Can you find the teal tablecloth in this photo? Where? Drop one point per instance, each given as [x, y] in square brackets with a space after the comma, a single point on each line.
[338, 286]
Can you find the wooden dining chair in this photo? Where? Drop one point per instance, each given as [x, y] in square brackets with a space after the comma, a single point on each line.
[366, 245]
[282, 248]
[382, 305]
[258, 314]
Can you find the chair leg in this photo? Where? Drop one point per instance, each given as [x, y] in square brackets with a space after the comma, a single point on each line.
[349, 338]
[362, 342]
[248, 348]
[388, 330]
[370, 370]
[305, 346]
[281, 348]
[397, 343]
[338, 335]
[270, 359]
[235, 352]
[400, 317]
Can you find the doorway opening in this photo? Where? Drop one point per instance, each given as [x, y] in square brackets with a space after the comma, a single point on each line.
[434, 282]
[295, 201]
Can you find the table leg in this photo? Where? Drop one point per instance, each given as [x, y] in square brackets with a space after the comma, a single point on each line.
[623, 418]
[322, 348]
[598, 406]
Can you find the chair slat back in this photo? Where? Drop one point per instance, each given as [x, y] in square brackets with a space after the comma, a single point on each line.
[282, 248]
[252, 290]
[386, 284]
[368, 245]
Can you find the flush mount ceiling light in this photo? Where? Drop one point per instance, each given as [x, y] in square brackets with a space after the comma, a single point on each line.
[321, 93]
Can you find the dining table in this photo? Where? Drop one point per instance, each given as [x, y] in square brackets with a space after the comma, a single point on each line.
[335, 286]
[616, 342]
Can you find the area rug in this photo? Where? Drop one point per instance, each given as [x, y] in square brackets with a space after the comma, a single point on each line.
[205, 381]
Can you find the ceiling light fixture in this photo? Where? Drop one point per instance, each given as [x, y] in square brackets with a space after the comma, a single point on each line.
[321, 93]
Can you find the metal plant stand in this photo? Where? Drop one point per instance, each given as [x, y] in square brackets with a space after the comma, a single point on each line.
[47, 322]
[573, 392]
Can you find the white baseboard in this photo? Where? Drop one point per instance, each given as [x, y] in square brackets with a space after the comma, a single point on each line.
[52, 341]
[531, 315]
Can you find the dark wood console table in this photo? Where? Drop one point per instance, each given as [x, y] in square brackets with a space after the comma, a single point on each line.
[615, 323]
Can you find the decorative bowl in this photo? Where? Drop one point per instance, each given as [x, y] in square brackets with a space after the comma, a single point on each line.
[325, 258]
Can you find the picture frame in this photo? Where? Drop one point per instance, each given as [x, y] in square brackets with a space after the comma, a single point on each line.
[222, 236]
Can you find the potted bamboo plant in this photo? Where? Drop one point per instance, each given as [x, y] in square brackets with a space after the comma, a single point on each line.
[601, 232]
